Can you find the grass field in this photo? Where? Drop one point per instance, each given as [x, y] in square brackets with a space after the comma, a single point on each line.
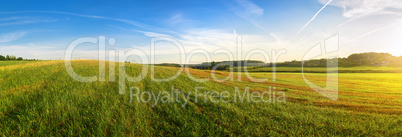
[40, 98]
[15, 63]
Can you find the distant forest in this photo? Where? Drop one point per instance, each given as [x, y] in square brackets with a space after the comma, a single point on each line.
[358, 59]
[12, 57]
[225, 65]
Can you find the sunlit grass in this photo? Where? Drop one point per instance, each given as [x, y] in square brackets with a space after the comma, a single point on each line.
[40, 98]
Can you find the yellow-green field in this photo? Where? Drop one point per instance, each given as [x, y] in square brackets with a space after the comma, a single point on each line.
[40, 98]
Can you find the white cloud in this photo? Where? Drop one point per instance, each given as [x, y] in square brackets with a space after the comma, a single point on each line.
[131, 22]
[12, 36]
[370, 25]
[23, 20]
[211, 40]
[34, 51]
[368, 33]
[180, 18]
[248, 11]
[176, 18]
[247, 8]
[152, 34]
[355, 8]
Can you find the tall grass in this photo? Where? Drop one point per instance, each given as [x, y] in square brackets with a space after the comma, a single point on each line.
[42, 99]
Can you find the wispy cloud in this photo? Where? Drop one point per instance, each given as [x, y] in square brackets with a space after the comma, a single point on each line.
[24, 20]
[180, 18]
[176, 18]
[355, 8]
[131, 22]
[34, 51]
[354, 18]
[315, 15]
[152, 34]
[211, 40]
[16, 35]
[248, 11]
[12, 36]
[14, 18]
[368, 33]
[247, 8]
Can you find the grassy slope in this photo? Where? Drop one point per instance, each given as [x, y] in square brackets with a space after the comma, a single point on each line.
[42, 99]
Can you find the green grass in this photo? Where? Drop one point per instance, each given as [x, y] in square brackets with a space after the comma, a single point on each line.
[40, 98]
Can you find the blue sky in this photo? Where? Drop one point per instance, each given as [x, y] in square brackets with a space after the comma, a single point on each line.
[44, 29]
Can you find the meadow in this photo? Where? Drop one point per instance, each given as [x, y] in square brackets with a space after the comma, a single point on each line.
[39, 98]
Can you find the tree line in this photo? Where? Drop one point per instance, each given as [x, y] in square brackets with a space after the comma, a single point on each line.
[11, 57]
[225, 65]
[357, 59]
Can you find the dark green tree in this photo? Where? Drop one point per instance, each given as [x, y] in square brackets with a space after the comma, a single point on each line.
[2, 57]
[12, 57]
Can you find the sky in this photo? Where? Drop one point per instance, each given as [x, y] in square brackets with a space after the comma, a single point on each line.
[44, 29]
